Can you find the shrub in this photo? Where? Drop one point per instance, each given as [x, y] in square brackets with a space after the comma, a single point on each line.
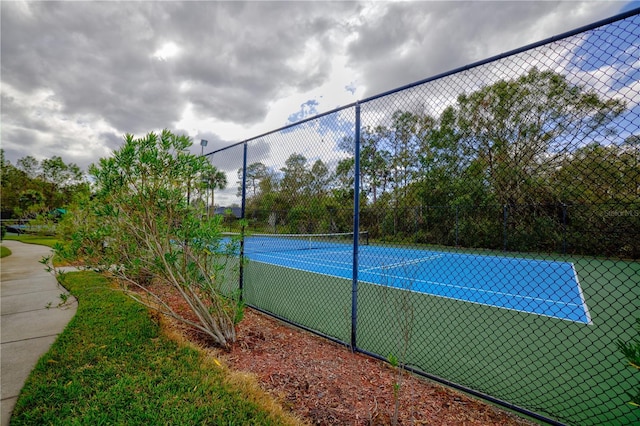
[140, 227]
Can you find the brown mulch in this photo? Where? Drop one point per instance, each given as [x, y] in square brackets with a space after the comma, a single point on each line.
[325, 383]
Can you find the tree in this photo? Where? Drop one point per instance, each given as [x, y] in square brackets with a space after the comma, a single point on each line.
[320, 178]
[13, 182]
[62, 175]
[31, 203]
[60, 180]
[55, 180]
[345, 175]
[598, 185]
[212, 180]
[375, 162]
[598, 174]
[140, 227]
[403, 146]
[255, 173]
[296, 176]
[515, 129]
[30, 166]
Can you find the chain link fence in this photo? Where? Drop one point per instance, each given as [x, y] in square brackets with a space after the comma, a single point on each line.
[482, 226]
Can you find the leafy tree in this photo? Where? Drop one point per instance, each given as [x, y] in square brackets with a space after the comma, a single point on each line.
[596, 174]
[55, 180]
[212, 180]
[31, 203]
[30, 166]
[263, 198]
[515, 129]
[296, 176]
[13, 181]
[598, 185]
[403, 145]
[345, 176]
[255, 173]
[320, 179]
[515, 143]
[140, 227]
[60, 174]
[61, 180]
[375, 162]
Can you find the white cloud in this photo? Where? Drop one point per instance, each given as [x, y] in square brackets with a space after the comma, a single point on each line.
[167, 51]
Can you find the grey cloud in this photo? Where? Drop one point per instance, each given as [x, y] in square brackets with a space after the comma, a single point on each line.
[214, 142]
[92, 58]
[257, 151]
[235, 58]
[229, 104]
[412, 41]
[239, 62]
[111, 140]
[96, 57]
[24, 141]
[31, 120]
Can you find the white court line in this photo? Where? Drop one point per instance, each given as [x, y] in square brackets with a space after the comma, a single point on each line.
[321, 256]
[584, 301]
[384, 275]
[318, 252]
[459, 299]
[405, 263]
[479, 290]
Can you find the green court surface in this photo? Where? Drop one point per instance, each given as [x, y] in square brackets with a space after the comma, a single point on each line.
[565, 370]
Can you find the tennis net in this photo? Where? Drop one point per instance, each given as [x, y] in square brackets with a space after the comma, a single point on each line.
[260, 243]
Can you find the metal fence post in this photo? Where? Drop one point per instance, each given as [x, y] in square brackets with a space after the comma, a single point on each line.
[457, 218]
[564, 228]
[356, 230]
[504, 227]
[242, 216]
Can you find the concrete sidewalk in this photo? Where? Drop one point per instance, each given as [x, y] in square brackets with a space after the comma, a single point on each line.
[30, 320]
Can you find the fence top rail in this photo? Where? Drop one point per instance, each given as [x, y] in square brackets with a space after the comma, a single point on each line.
[570, 33]
[280, 129]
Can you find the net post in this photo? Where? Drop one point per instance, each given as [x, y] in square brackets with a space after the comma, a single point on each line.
[356, 229]
[242, 218]
[457, 223]
[564, 228]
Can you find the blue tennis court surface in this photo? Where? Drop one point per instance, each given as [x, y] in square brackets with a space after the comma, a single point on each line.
[539, 287]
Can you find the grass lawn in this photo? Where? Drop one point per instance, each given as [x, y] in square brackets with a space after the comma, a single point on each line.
[113, 364]
[42, 240]
[33, 239]
[4, 251]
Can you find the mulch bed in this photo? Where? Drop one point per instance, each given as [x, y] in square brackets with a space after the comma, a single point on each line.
[325, 383]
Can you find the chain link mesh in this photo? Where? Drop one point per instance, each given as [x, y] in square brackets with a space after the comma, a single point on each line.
[501, 205]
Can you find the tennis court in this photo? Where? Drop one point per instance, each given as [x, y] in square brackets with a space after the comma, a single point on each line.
[540, 287]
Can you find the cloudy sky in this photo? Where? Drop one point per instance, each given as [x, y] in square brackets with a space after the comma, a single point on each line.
[76, 76]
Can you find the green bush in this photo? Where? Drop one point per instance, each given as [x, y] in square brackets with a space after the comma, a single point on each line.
[141, 220]
[631, 351]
